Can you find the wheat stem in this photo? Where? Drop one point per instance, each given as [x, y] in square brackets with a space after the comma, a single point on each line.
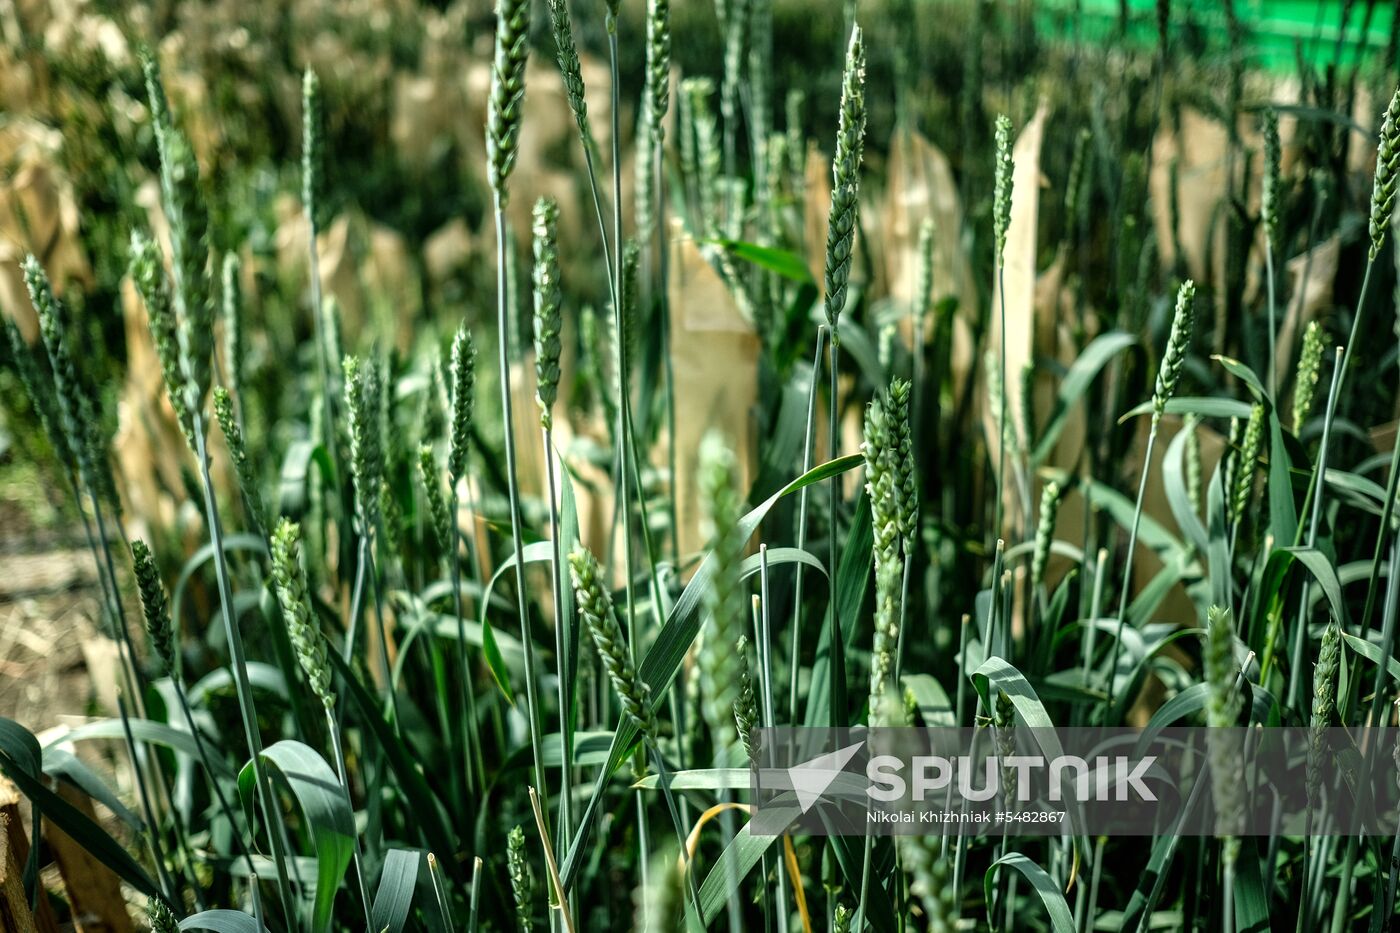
[334, 728]
[1300, 631]
[238, 659]
[808, 445]
[503, 327]
[564, 650]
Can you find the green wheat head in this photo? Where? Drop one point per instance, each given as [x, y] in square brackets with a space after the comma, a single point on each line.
[923, 288]
[293, 595]
[439, 517]
[885, 471]
[595, 609]
[566, 53]
[521, 880]
[1178, 342]
[1250, 448]
[232, 308]
[746, 705]
[1387, 173]
[188, 216]
[1324, 704]
[159, 630]
[704, 131]
[505, 107]
[462, 379]
[160, 917]
[1308, 374]
[1223, 707]
[1270, 192]
[313, 148]
[147, 271]
[842, 219]
[929, 881]
[77, 415]
[238, 453]
[1001, 197]
[1195, 465]
[548, 300]
[1045, 531]
[658, 68]
[362, 405]
[37, 382]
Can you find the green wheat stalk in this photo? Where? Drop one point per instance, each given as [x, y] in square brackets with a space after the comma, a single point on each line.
[547, 325]
[1269, 205]
[188, 221]
[504, 116]
[1168, 377]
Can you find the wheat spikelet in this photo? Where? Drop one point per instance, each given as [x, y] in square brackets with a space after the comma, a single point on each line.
[845, 190]
[293, 595]
[462, 378]
[547, 307]
[1308, 373]
[159, 631]
[505, 107]
[595, 609]
[521, 881]
[1179, 340]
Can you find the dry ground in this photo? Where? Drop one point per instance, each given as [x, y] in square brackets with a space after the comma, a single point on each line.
[48, 607]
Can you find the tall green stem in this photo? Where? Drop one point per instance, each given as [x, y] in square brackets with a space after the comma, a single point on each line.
[808, 446]
[1001, 419]
[340, 772]
[1300, 631]
[837, 686]
[322, 351]
[1273, 327]
[624, 453]
[563, 652]
[262, 780]
[663, 262]
[474, 763]
[1128, 565]
[503, 325]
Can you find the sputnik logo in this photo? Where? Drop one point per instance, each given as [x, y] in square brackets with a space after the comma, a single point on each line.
[811, 778]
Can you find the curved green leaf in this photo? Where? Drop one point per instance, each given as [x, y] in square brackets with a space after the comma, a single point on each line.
[1061, 920]
[328, 816]
[142, 730]
[233, 543]
[1174, 480]
[60, 762]
[223, 921]
[934, 705]
[293, 492]
[1077, 381]
[260, 677]
[1372, 653]
[780, 262]
[1243, 373]
[1205, 406]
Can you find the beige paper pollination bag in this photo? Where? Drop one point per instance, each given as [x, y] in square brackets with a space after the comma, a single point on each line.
[1018, 280]
[714, 354]
[921, 185]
